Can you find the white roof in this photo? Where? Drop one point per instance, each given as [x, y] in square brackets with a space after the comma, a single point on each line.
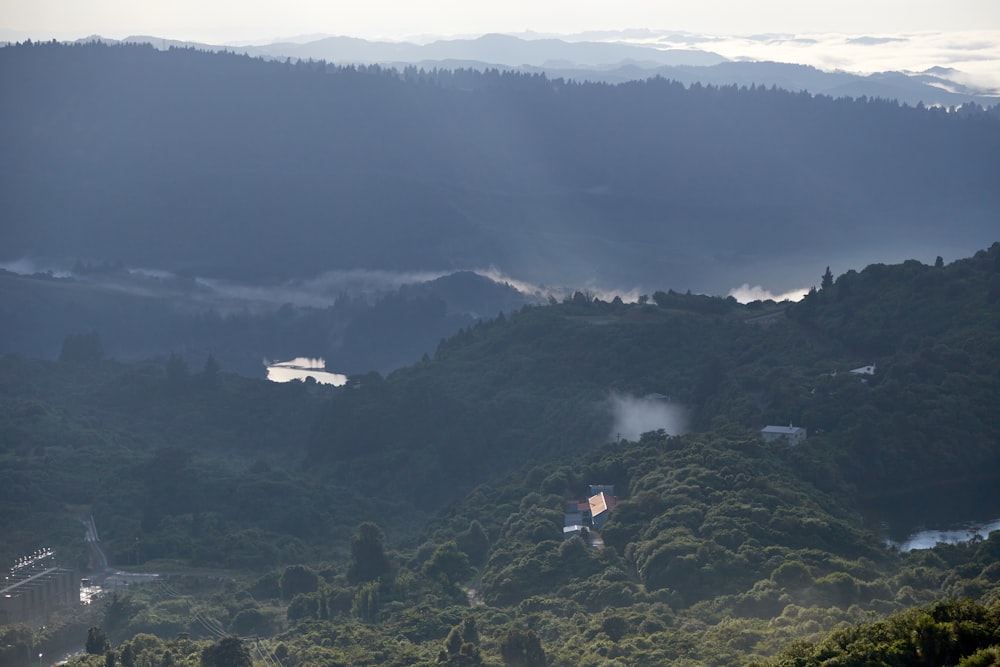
[783, 430]
[864, 370]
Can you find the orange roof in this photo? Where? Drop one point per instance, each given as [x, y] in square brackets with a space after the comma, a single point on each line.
[598, 504]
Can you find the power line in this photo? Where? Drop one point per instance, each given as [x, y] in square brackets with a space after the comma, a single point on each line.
[213, 626]
[261, 646]
[270, 652]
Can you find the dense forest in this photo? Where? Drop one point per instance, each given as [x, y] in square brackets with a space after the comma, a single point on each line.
[416, 518]
[175, 159]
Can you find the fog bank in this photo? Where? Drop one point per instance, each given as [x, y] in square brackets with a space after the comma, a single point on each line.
[634, 416]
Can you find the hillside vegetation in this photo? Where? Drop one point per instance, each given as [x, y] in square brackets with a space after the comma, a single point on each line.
[417, 518]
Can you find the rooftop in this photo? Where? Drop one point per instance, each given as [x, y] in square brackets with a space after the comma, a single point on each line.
[783, 430]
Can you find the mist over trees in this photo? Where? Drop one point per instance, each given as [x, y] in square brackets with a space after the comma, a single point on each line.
[131, 318]
[227, 165]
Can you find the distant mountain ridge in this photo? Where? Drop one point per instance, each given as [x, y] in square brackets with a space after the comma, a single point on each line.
[496, 49]
[607, 61]
[218, 165]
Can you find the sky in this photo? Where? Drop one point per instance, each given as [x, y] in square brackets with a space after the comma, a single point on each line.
[232, 21]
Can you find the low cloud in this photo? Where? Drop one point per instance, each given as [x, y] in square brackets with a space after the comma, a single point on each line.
[322, 290]
[976, 53]
[26, 266]
[745, 294]
[634, 416]
[544, 292]
[874, 41]
[302, 363]
[319, 291]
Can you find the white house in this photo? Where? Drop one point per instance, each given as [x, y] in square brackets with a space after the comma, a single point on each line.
[792, 434]
[864, 370]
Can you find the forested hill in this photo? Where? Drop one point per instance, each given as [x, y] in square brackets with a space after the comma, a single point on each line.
[224, 164]
[540, 384]
[722, 548]
[547, 384]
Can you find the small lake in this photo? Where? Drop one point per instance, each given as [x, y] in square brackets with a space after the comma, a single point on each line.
[948, 512]
[927, 539]
[302, 368]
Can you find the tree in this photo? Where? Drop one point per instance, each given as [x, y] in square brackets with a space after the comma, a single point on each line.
[127, 656]
[462, 646]
[366, 604]
[474, 542]
[119, 610]
[82, 348]
[522, 648]
[227, 652]
[447, 565]
[368, 560]
[177, 374]
[97, 641]
[470, 632]
[303, 605]
[251, 621]
[615, 627]
[210, 373]
[792, 574]
[827, 280]
[298, 579]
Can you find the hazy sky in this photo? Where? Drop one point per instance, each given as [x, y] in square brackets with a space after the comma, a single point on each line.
[262, 20]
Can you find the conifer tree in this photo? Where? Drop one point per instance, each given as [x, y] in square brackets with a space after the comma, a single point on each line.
[368, 560]
[827, 280]
[97, 641]
[522, 648]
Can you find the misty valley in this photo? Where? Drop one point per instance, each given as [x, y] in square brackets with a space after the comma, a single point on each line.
[306, 364]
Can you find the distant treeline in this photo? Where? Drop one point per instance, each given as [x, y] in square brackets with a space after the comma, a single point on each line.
[138, 318]
[224, 163]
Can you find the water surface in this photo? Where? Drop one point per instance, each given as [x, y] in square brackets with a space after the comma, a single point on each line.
[302, 368]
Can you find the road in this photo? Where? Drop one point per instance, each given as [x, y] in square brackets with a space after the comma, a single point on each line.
[97, 556]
